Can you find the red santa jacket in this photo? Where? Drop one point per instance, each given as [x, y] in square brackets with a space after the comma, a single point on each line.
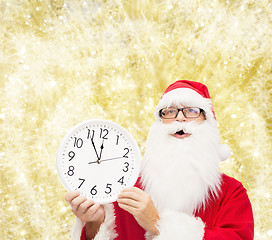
[226, 217]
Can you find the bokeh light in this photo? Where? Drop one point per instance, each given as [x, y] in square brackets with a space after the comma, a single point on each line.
[65, 61]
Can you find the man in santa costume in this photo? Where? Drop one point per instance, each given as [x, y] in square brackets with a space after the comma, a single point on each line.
[180, 193]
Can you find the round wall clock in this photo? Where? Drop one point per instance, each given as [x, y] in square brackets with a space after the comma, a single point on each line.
[99, 158]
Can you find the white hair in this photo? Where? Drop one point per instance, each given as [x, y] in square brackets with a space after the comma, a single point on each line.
[181, 174]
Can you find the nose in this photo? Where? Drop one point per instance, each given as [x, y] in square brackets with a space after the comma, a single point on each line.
[181, 117]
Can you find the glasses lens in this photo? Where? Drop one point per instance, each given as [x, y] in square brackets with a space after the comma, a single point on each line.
[169, 112]
[191, 112]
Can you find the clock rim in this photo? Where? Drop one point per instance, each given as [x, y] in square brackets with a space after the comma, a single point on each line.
[98, 121]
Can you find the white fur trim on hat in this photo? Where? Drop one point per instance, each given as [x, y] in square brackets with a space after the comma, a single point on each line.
[186, 97]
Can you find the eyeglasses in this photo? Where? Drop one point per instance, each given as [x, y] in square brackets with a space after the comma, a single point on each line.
[188, 112]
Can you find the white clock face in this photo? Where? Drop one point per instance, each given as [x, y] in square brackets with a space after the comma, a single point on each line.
[99, 158]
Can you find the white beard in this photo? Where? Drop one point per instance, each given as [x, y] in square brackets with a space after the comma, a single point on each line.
[181, 174]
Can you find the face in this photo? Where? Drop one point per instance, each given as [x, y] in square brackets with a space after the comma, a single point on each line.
[181, 118]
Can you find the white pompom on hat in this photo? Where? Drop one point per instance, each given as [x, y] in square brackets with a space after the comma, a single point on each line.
[191, 94]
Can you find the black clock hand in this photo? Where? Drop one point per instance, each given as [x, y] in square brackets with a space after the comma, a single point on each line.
[104, 160]
[109, 159]
[95, 149]
[101, 148]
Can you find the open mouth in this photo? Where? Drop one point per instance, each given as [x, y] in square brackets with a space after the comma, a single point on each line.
[181, 132]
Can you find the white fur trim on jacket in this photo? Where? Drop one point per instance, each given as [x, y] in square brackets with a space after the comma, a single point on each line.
[106, 230]
[178, 225]
[77, 229]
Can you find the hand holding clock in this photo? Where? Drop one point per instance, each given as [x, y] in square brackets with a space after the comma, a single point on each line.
[85, 209]
[140, 205]
[88, 211]
[134, 200]
[97, 185]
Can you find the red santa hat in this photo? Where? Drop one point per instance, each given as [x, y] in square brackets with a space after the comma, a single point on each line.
[187, 93]
[190, 94]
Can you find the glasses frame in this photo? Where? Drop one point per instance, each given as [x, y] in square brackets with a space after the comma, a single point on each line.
[182, 110]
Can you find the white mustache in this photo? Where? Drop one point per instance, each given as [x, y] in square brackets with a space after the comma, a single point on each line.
[186, 127]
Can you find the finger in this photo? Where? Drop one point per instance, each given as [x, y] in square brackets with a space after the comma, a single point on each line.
[75, 203]
[138, 193]
[127, 208]
[131, 193]
[128, 195]
[93, 209]
[71, 195]
[129, 202]
[133, 189]
[84, 206]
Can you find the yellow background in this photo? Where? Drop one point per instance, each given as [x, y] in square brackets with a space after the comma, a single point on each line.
[65, 61]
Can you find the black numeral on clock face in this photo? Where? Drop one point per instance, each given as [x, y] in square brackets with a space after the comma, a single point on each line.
[81, 179]
[108, 191]
[90, 134]
[104, 133]
[78, 142]
[127, 151]
[71, 170]
[71, 154]
[93, 190]
[126, 167]
[121, 180]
